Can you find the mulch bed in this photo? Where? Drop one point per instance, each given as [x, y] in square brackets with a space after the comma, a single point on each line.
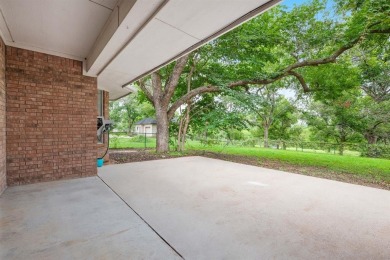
[137, 155]
[118, 156]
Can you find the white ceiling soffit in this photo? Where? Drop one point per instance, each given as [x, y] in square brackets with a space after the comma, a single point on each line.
[66, 28]
[156, 32]
[122, 40]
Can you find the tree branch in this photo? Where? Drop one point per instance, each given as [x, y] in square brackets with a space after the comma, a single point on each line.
[376, 125]
[174, 77]
[307, 63]
[332, 58]
[157, 87]
[193, 93]
[377, 31]
[380, 31]
[147, 92]
[288, 71]
[301, 80]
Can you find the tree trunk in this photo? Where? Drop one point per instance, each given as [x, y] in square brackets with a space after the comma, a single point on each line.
[179, 134]
[342, 144]
[205, 134]
[185, 128]
[371, 138]
[162, 144]
[130, 127]
[266, 145]
[341, 148]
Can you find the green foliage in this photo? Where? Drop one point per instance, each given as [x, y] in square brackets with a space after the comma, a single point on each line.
[266, 45]
[335, 54]
[173, 132]
[128, 110]
[236, 134]
[214, 115]
[329, 82]
[336, 122]
[364, 15]
[267, 109]
[126, 142]
[284, 125]
[114, 142]
[375, 72]
[377, 151]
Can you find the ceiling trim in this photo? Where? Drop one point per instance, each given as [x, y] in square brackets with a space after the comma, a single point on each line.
[111, 26]
[227, 28]
[155, 12]
[3, 23]
[115, 99]
[46, 51]
[102, 5]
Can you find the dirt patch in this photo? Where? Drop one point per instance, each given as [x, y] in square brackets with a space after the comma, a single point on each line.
[118, 156]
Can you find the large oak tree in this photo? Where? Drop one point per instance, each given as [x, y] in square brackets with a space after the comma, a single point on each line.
[278, 44]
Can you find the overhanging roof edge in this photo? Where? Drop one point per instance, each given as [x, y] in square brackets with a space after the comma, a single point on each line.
[227, 28]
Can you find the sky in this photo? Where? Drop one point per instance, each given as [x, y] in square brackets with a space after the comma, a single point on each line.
[290, 3]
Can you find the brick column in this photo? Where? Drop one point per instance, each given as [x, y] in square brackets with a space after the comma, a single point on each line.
[3, 178]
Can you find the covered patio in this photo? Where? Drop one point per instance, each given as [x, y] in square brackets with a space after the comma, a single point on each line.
[194, 208]
[61, 61]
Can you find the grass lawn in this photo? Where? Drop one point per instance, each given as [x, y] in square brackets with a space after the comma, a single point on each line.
[369, 168]
[378, 169]
[346, 152]
[119, 142]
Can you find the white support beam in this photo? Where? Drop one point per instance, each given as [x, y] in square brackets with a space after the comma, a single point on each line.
[119, 13]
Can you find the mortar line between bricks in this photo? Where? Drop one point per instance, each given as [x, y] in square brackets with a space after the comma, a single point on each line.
[155, 231]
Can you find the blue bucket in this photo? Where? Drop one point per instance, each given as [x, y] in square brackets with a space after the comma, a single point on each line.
[100, 162]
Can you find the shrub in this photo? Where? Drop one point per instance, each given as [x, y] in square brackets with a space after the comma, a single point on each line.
[114, 142]
[249, 142]
[377, 151]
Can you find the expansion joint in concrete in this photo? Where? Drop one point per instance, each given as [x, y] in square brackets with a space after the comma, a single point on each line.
[165, 241]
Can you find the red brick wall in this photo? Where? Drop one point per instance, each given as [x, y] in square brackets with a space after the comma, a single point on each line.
[101, 148]
[3, 182]
[51, 118]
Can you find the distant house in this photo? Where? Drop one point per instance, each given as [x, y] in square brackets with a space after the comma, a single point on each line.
[146, 126]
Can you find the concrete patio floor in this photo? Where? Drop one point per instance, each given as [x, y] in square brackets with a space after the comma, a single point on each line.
[213, 209]
[198, 207]
[74, 219]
